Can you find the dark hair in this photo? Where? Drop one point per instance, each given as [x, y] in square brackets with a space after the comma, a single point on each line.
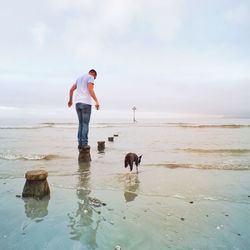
[93, 72]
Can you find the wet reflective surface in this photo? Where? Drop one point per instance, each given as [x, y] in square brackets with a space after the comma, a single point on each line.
[36, 209]
[169, 204]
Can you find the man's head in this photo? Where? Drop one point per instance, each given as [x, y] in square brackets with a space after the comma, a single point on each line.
[93, 73]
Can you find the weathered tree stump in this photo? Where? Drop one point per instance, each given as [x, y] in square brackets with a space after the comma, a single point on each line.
[110, 138]
[84, 155]
[36, 184]
[101, 145]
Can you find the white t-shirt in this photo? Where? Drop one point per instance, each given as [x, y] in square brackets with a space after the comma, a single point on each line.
[82, 92]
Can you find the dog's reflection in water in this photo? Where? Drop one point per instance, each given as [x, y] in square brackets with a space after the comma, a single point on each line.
[131, 184]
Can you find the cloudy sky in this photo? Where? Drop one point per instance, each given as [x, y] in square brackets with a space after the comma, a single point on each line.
[172, 56]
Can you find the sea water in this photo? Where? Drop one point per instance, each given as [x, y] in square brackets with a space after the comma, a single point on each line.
[192, 190]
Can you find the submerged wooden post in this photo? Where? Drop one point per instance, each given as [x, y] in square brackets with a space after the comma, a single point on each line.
[84, 155]
[101, 145]
[36, 184]
[110, 138]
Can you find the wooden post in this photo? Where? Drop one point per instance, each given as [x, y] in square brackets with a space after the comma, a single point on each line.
[110, 138]
[101, 145]
[36, 184]
[84, 155]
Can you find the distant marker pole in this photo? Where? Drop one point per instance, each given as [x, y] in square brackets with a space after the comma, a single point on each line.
[134, 109]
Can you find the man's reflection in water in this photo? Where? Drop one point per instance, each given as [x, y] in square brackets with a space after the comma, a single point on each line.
[36, 209]
[131, 186]
[85, 220]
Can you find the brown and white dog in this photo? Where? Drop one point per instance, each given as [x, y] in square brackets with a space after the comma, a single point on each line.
[130, 159]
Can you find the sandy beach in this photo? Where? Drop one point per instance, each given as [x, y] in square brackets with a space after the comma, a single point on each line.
[178, 200]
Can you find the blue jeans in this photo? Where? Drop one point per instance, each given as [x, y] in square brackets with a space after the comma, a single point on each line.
[83, 112]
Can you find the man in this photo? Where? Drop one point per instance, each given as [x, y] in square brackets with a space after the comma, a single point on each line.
[84, 87]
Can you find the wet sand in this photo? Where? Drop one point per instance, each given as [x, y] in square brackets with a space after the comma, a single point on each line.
[170, 204]
[157, 208]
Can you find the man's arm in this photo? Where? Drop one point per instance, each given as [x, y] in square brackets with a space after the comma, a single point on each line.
[92, 93]
[71, 92]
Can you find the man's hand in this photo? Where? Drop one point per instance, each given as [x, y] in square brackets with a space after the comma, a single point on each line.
[97, 105]
[69, 104]
[92, 94]
[73, 88]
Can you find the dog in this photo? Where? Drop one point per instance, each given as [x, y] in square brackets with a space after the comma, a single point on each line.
[130, 159]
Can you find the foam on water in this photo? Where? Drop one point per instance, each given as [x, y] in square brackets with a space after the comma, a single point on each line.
[221, 166]
[216, 151]
[9, 156]
[70, 125]
[213, 126]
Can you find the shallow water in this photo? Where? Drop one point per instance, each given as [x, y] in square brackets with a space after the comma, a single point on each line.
[192, 190]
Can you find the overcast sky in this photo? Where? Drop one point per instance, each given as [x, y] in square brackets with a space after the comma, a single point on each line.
[171, 56]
